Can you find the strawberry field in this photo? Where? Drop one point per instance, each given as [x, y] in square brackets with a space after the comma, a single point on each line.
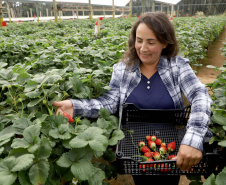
[45, 62]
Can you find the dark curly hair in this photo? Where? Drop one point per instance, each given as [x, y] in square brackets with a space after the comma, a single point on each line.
[164, 31]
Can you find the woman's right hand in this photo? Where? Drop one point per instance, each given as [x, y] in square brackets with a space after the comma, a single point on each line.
[64, 106]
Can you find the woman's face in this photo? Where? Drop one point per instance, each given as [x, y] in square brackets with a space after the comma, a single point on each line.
[147, 46]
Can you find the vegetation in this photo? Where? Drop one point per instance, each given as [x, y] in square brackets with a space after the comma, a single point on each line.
[44, 62]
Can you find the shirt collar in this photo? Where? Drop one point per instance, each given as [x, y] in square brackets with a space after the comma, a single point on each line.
[163, 63]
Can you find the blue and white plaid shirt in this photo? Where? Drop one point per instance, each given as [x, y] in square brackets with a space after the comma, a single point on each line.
[178, 77]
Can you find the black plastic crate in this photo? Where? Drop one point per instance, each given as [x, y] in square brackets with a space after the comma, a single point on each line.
[169, 125]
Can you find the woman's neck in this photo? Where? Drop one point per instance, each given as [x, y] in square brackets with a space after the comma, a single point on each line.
[148, 70]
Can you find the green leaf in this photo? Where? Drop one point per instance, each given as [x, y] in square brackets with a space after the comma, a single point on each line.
[44, 150]
[23, 162]
[19, 143]
[221, 177]
[1, 150]
[24, 178]
[22, 78]
[31, 131]
[210, 180]
[31, 85]
[222, 143]
[6, 136]
[34, 102]
[34, 94]
[92, 137]
[4, 141]
[62, 132]
[116, 136]
[20, 124]
[104, 113]
[217, 118]
[97, 177]
[39, 172]
[64, 161]
[7, 177]
[83, 169]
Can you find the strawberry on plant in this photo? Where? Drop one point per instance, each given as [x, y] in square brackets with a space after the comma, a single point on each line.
[148, 138]
[152, 145]
[158, 142]
[68, 116]
[145, 149]
[156, 156]
[153, 138]
[141, 144]
[162, 150]
[171, 146]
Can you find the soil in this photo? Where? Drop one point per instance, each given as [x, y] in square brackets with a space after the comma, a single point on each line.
[206, 75]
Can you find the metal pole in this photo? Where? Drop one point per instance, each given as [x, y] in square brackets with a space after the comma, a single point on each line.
[55, 11]
[90, 11]
[130, 8]
[8, 11]
[153, 6]
[113, 8]
[1, 14]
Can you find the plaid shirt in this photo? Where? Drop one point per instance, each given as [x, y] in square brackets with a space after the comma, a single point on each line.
[178, 77]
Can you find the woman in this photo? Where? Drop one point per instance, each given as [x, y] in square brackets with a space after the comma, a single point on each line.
[152, 76]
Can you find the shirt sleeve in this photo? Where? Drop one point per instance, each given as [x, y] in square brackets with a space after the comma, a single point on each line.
[200, 101]
[110, 100]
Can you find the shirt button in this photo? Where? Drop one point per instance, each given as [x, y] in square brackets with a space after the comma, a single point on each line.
[148, 82]
[148, 87]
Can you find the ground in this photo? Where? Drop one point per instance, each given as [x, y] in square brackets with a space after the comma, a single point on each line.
[205, 75]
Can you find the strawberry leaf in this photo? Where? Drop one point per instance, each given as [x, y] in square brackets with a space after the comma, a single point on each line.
[39, 172]
[24, 178]
[20, 124]
[82, 169]
[92, 137]
[7, 177]
[97, 177]
[117, 135]
[23, 162]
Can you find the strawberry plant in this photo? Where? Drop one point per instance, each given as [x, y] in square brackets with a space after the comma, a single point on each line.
[45, 62]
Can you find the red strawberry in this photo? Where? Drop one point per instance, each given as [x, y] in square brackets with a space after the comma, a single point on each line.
[170, 157]
[171, 146]
[162, 150]
[191, 170]
[152, 145]
[158, 142]
[156, 156]
[145, 149]
[150, 165]
[153, 138]
[148, 138]
[68, 116]
[142, 166]
[148, 154]
[163, 144]
[163, 167]
[141, 144]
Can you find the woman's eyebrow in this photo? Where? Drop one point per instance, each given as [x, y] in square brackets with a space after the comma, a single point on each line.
[147, 39]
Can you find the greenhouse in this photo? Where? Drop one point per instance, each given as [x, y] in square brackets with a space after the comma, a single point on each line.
[112, 92]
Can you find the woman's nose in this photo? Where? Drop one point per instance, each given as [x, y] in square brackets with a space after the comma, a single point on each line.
[143, 47]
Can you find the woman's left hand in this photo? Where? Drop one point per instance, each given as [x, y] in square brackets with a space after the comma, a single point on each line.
[187, 157]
